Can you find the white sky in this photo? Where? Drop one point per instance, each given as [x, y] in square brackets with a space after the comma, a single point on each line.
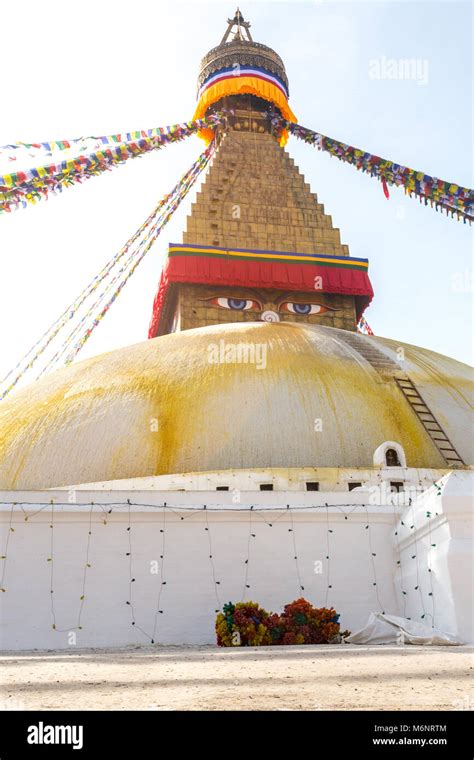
[88, 68]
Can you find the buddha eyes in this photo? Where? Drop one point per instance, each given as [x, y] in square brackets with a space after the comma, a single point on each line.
[303, 308]
[249, 304]
[237, 304]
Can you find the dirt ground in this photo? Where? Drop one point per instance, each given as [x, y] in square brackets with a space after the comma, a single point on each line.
[346, 677]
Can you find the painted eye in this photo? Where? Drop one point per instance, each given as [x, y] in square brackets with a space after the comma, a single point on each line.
[303, 308]
[237, 304]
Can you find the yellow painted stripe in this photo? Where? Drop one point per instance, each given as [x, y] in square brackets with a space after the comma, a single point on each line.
[283, 257]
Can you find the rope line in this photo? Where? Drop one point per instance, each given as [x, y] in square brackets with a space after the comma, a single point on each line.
[155, 222]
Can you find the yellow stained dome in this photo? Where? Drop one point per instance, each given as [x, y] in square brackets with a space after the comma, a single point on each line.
[308, 396]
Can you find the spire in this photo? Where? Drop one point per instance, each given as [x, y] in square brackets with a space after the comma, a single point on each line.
[242, 31]
[223, 270]
[242, 69]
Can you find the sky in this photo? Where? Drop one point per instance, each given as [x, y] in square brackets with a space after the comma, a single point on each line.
[88, 68]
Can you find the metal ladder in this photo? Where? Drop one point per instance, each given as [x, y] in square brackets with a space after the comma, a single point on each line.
[386, 366]
[429, 422]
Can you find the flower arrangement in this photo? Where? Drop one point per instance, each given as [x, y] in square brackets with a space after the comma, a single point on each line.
[248, 624]
[242, 624]
[302, 623]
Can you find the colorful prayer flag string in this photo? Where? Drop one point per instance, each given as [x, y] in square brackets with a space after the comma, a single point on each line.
[188, 182]
[158, 221]
[30, 186]
[70, 312]
[364, 327]
[82, 332]
[95, 142]
[449, 196]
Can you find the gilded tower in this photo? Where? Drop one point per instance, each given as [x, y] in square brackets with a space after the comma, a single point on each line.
[256, 208]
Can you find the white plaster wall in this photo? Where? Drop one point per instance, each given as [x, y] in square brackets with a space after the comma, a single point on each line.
[330, 479]
[188, 599]
[358, 558]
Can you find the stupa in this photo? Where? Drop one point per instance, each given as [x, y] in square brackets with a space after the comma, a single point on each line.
[254, 379]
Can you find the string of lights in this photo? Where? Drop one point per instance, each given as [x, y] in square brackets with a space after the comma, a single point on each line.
[372, 557]
[430, 570]
[51, 567]
[132, 579]
[158, 610]
[197, 508]
[211, 558]
[28, 517]
[4, 556]
[87, 566]
[415, 557]
[183, 513]
[292, 531]
[246, 562]
[399, 563]
[328, 555]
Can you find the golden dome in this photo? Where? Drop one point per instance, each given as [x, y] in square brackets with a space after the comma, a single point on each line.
[166, 406]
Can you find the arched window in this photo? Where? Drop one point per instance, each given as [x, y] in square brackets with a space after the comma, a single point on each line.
[391, 458]
[389, 454]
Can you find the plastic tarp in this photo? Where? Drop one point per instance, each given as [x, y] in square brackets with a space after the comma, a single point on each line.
[389, 629]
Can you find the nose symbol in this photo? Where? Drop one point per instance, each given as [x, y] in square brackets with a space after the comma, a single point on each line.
[270, 316]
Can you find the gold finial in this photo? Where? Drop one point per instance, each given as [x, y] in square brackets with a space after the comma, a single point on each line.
[243, 28]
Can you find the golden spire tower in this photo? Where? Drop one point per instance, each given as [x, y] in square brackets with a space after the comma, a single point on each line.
[255, 206]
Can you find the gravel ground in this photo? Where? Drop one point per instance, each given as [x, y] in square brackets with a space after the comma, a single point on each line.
[346, 677]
